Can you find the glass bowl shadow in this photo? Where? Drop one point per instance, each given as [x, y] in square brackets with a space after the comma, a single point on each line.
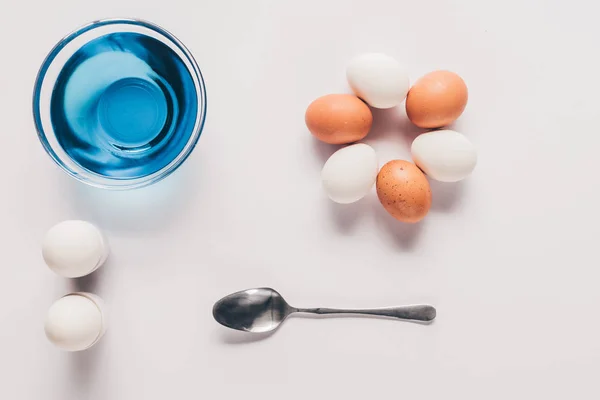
[49, 133]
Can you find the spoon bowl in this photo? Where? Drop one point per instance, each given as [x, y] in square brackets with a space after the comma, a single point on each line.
[253, 310]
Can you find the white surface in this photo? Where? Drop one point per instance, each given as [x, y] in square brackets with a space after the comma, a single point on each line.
[509, 257]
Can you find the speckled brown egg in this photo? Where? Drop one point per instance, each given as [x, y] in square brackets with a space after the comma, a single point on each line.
[436, 100]
[404, 191]
[338, 118]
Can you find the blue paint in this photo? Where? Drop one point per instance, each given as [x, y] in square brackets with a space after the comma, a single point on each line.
[124, 106]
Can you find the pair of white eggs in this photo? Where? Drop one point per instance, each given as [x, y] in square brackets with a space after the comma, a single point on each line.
[73, 249]
[444, 155]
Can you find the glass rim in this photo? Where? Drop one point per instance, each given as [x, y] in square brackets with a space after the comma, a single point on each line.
[105, 182]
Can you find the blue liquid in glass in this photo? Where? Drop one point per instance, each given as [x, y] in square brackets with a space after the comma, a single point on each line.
[124, 106]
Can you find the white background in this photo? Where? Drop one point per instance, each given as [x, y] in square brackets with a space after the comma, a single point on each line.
[509, 257]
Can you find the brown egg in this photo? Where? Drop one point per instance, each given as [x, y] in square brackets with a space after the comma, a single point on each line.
[338, 118]
[437, 99]
[404, 191]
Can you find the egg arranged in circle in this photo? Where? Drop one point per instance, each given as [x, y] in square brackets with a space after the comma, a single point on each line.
[378, 79]
[338, 118]
[349, 174]
[444, 155]
[436, 99]
[404, 191]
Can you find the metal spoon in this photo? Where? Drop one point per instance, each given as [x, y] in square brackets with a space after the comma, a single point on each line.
[263, 310]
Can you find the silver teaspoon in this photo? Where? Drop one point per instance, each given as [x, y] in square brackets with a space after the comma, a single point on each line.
[263, 310]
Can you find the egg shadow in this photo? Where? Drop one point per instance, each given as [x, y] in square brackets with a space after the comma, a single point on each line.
[456, 125]
[404, 236]
[393, 124]
[148, 208]
[323, 150]
[445, 197]
[347, 216]
[84, 367]
[84, 364]
[94, 282]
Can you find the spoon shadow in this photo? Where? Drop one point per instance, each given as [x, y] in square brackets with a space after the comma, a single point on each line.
[235, 337]
[231, 336]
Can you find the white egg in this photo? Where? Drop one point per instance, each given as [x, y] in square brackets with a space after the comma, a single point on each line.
[74, 248]
[444, 155]
[378, 79]
[350, 173]
[76, 321]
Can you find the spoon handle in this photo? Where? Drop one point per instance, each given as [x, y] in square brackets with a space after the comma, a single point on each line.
[421, 312]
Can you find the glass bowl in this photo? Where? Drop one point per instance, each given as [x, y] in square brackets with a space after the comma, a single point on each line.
[119, 103]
